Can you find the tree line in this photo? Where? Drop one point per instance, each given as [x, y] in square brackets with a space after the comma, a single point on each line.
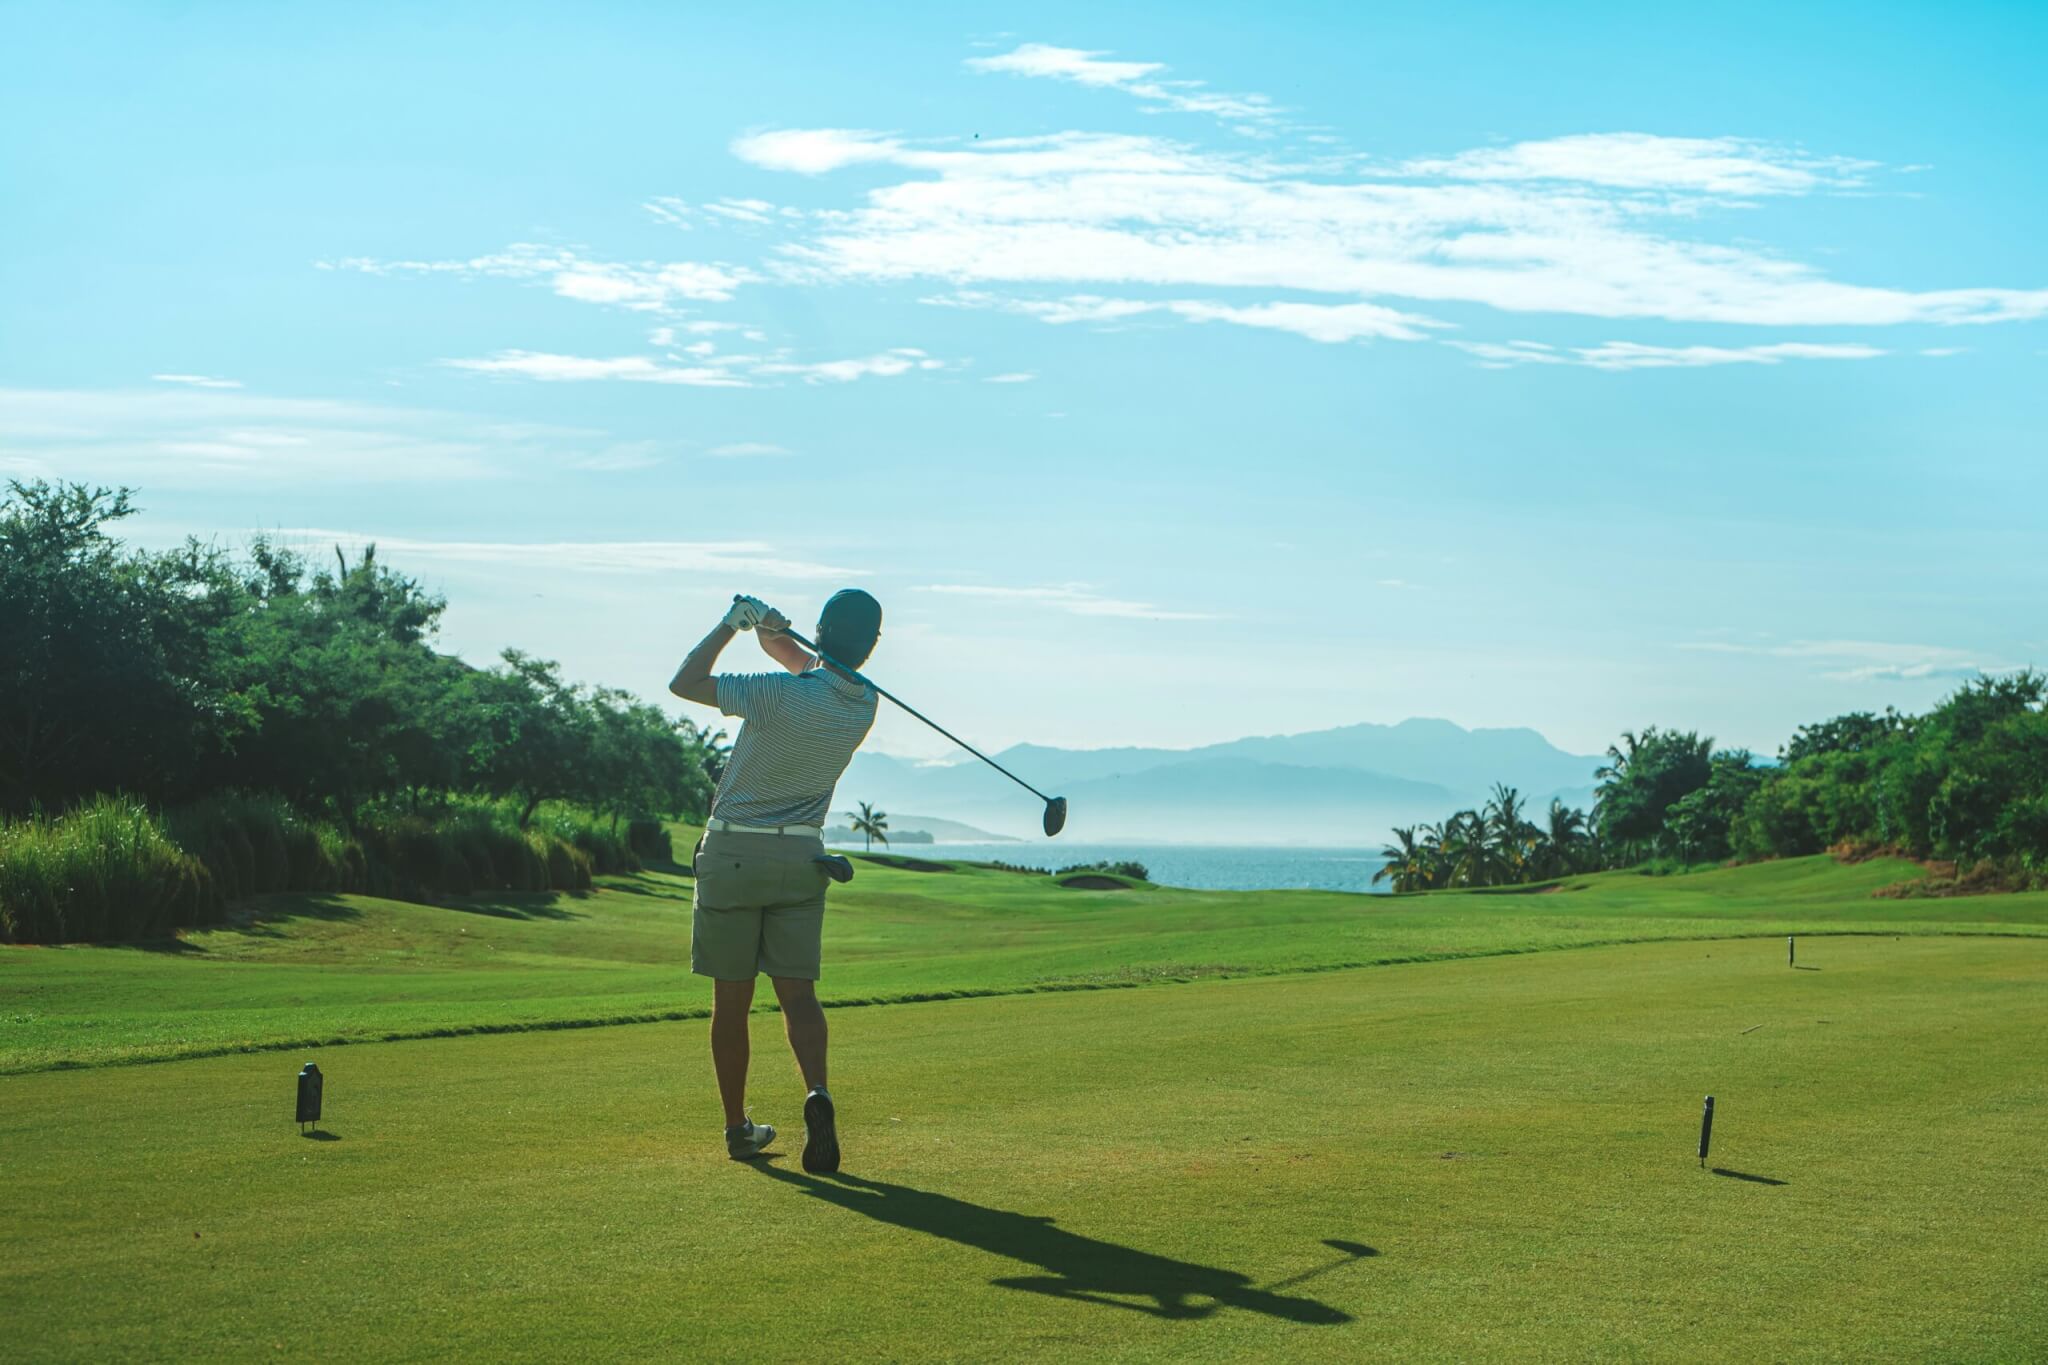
[174, 675]
[1965, 784]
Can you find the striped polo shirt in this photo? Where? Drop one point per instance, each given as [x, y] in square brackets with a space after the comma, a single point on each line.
[798, 735]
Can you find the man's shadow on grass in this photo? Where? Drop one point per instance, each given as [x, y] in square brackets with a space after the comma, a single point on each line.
[1083, 1268]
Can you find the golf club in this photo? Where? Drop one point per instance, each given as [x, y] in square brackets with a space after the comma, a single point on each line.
[1055, 806]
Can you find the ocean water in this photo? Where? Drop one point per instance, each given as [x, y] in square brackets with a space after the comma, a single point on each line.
[1208, 866]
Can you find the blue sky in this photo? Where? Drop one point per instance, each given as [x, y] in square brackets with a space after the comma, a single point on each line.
[1171, 373]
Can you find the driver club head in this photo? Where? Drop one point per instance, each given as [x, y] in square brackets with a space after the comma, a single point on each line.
[1055, 816]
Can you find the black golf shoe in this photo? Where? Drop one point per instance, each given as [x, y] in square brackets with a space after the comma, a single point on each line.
[821, 1134]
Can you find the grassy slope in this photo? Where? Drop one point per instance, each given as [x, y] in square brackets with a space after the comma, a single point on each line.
[1119, 1173]
[337, 968]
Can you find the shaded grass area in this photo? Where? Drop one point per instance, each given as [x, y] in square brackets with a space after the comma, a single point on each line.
[1490, 1158]
[313, 969]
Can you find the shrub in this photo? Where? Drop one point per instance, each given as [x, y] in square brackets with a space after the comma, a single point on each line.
[112, 870]
[606, 852]
[650, 841]
[246, 840]
[568, 867]
[1134, 870]
[104, 871]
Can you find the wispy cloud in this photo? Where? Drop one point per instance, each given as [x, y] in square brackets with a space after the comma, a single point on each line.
[1013, 377]
[1645, 161]
[746, 450]
[551, 368]
[197, 381]
[1326, 322]
[737, 558]
[1076, 599]
[185, 437]
[647, 286]
[902, 360]
[1139, 79]
[1630, 355]
[1117, 227]
[1089, 209]
[702, 367]
[1865, 660]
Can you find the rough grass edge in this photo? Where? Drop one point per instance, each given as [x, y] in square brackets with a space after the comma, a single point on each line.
[1047, 986]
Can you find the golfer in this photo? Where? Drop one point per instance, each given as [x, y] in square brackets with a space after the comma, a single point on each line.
[760, 898]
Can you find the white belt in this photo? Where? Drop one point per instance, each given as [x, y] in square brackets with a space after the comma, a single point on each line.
[734, 827]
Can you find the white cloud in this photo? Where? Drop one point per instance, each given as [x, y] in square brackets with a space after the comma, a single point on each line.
[738, 558]
[708, 371]
[1944, 350]
[1609, 225]
[183, 437]
[1316, 321]
[571, 368]
[1067, 64]
[1082, 210]
[754, 211]
[902, 360]
[1076, 599]
[741, 450]
[1046, 61]
[1645, 161]
[197, 381]
[650, 286]
[1630, 355]
[1013, 377]
[814, 151]
[1865, 660]
[668, 209]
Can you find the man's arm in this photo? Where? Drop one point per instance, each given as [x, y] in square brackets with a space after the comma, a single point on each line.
[693, 681]
[780, 647]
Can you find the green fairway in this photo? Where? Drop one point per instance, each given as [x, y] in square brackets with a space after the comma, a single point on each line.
[1152, 1173]
[317, 969]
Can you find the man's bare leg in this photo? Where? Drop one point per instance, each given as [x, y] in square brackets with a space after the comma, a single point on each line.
[803, 1019]
[730, 1001]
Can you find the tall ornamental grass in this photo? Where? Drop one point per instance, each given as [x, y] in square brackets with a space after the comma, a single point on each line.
[105, 871]
[112, 870]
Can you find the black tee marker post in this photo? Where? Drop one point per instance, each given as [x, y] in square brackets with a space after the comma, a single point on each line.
[309, 1098]
[1706, 1130]
[1790, 959]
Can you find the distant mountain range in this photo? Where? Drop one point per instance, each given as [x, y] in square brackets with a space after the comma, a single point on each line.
[1346, 786]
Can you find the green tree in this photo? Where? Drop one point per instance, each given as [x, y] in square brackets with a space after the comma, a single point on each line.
[537, 737]
[1857, 732]
[1641, 781]
[642, 763]
[1563, 845]
[872, 823]
[1510, 836]
[1406, 862]
[107, 680]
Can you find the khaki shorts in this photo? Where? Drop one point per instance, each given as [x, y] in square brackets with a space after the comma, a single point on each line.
[759, 906]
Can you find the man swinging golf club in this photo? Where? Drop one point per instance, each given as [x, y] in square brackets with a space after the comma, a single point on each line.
[761, 869]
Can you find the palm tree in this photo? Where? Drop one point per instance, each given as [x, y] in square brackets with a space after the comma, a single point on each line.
[1406, 865]
[1467, 857]
[1564, 843]
[872, 823]
[1435, 870]
[1511, 837]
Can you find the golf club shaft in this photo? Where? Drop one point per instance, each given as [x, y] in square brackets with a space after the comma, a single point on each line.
[856, 673]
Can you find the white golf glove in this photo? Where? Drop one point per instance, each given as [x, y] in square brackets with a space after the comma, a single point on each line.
[746, 612]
